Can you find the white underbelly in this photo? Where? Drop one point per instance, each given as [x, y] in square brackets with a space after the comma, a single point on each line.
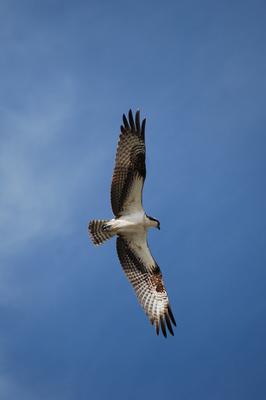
[129, 223]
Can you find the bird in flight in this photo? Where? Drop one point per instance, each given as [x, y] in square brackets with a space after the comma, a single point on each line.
[131, 225]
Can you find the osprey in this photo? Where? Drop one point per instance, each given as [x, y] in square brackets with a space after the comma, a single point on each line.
[131, 224]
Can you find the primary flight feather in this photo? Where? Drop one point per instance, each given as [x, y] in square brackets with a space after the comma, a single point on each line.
[131, 224]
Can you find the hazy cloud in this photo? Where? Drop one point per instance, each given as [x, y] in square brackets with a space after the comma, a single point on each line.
[38, 180]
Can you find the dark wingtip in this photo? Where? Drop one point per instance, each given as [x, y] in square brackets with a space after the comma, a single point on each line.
[137, 121]
[125, 121]
[171, 315]
[142, 131]
[169, 326]
[131, 120]
[157, 327]
[163, 326]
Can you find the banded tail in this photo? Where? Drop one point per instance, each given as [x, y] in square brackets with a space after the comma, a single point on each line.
[99, 231]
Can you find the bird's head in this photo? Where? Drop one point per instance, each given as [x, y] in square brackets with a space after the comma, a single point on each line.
[155, 222]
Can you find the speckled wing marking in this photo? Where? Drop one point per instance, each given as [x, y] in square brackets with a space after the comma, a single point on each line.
[130, 169]
[147, 282]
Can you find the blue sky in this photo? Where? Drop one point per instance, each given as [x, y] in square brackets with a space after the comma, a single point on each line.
[71, 327]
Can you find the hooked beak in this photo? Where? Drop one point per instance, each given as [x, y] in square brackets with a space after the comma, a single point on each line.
[158, 226]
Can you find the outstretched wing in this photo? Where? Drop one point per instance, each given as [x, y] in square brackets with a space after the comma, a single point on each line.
[146, 278]
[130, 169]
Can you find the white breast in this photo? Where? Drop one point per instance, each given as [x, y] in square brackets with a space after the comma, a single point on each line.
[130, 222]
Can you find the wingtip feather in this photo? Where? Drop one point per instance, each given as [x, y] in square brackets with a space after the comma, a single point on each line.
[163, 326]
[125, 121]
[171, 315]
[157, 327]
[142, 131]
[137, 121]
[131, 120]
[168, 323]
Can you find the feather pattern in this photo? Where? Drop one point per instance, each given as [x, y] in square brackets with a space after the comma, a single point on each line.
[130, 168]
[131, 224]
[146, 279]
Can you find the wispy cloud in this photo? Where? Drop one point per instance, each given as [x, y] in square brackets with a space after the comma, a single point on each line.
[8, 389]
[38, 182]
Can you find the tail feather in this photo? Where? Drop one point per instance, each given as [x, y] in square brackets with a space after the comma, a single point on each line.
[99, 232]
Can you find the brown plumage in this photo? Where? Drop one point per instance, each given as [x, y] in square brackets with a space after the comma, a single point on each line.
[148, 285]
[129, 162]
[131, 224]
[97, 231]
